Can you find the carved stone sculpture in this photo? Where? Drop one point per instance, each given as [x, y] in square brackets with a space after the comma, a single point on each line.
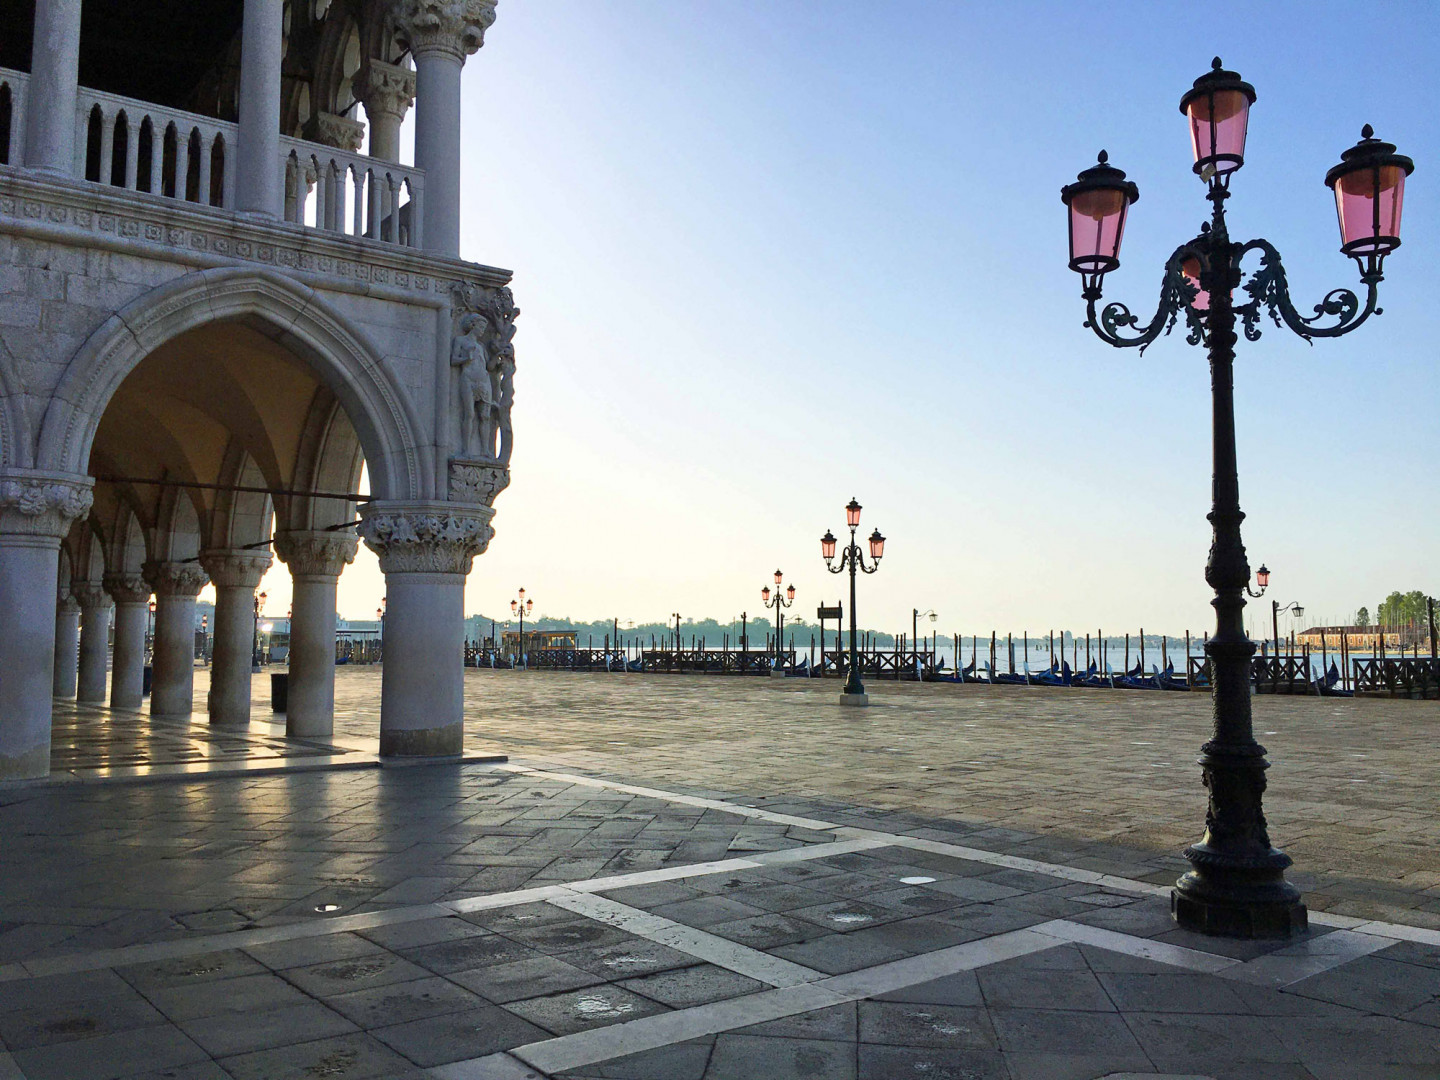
[483, 353]
[456, 27]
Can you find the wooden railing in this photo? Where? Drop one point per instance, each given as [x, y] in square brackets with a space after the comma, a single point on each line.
[1403, 676]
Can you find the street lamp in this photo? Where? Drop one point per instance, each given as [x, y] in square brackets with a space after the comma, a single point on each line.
[1276, 611]
[522, 607]
[780, 603]
[854, 692]
[255, 644]
[915, 616]
[676, 616]
[150, 629]
[1236, 886]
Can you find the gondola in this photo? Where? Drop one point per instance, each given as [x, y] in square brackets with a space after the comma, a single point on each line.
[800, 670]
[1000, 678]
[1330, 686]
[1053, 677]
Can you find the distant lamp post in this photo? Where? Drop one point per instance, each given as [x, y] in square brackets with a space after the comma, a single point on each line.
[780, 603]
[1237, 886]
[1276, 611]
[915, 616]
[255, 643]
[150, 629]
[854, 559]
[522, 607]
[676, 616]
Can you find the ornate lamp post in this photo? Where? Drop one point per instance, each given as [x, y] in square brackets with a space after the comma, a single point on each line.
[521, 607]
[255, 644]
[1276, 611]
[854, 692]
[780, 603]
[915, 616]
[1237, 885]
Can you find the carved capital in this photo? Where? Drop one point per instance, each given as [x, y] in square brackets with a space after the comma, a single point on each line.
[477, 482]
[42, 504]
[426, 538]
[454, 28]
[175, 579]
[385, 88]
[66, 604]
[127, 588]
[316, 554]
[89, 594]
[341, 132]
[235, 569]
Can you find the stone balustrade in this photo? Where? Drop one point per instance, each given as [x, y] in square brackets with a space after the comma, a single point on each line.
[13, 86]
[345, 192]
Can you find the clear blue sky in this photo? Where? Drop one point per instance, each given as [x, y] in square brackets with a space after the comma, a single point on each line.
[773, 254]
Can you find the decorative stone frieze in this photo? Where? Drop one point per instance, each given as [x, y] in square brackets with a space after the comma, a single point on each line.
[235, 569]
[90, 595]
[175, 578]
[482, 352]
[453, 27]
[341, 132]
[316, 554]
[477, 482]
[387, 89]
[42, 504]
[126, 588]
[426, 537]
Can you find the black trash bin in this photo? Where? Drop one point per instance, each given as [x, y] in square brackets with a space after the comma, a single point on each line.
[279, 691]
[145, 680]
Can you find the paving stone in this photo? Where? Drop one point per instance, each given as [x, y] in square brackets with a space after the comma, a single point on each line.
[837, 953]
[914, 1024]
[305, 952]
[1051, 1031]
[190, 970]
[67, 1020]
[524, 978]
[1375, 985]
[683, 1061]
[239, 1032]
[1043, 989]
[1073, 1066]
[200, 1070]
[411, 935]
[686, 987]
[240, 995]
[746, 1057]
[56, 990]
[108, 1056]
[1180, 992]
[347, 1057]
[358, 973]
[395, 1003]
[837, 1024]
[706, 911]
[767, 931]
[931, 1063]
[1189, 1042]
[506, 920]
[457, 1036]
[577, 1010]
[962, 988]
[562, 937]
[633, 958]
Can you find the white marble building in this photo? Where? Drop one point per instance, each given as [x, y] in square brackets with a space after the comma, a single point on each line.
[214, 307]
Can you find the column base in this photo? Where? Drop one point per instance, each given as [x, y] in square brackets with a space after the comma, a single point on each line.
[437, 742]
[855, 700]
[1247, 912]
[30, 765]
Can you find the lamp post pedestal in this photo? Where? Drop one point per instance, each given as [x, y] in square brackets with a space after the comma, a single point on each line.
[859, 699]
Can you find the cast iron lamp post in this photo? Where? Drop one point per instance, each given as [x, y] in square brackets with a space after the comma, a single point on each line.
[255, 644]
[915, 615]
[1236, 886]
[854, 692]
[780, 603]
[1276, 611]
[519, 607]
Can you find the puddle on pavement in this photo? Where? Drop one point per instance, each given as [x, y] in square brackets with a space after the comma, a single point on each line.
[916, 880]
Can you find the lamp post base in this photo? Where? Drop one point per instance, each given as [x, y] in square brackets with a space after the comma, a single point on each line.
[1251, 910]
[777, 673]
[856, 700]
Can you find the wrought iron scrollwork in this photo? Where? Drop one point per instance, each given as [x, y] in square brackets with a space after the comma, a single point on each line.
[1113, 321]
[1268, 288]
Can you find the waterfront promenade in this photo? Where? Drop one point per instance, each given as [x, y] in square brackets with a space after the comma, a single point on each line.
[679, 878]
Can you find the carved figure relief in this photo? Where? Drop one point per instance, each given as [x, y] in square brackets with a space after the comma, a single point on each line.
[483, 353]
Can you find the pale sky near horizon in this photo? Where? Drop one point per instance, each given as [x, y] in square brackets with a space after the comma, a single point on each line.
[776, 253]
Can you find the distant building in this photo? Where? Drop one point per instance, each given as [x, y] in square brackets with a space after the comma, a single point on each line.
[1356, 637]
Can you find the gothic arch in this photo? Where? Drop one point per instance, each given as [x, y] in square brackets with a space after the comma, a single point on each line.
[293, 315]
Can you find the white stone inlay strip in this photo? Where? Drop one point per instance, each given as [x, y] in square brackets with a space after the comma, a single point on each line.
[1307, 958]
[1130, 945]
[495, 1067]
[648, 1033]
[710, 947]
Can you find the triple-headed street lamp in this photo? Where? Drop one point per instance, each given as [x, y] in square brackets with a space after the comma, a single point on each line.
[854, 692]
[780, 603]
[1237, 885]
[521, 606]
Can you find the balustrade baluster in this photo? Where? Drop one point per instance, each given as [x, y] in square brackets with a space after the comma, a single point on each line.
[202, 196]
[107, 145]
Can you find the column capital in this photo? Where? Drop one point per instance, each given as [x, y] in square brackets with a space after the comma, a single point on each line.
[235, 569]
[90, 594]
[126, 588]
[36, 503]
[453, 28]
[385, 88]
[329, 129]
[67, 604]
[425, 537]
[184, 579]
[316, 554]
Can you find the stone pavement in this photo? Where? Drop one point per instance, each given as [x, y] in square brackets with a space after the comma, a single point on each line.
[473, 922]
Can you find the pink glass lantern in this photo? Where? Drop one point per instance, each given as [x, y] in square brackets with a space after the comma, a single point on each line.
[778, 577]
[1369, 185]
[877, 545]
[1218, 108]
[1262, 577]
[827, 545]
[852, 513]
[765, 594]
[790, 593]
[1098, 202]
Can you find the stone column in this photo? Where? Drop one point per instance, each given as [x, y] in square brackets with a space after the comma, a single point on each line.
[36, 511]
[387, 91]
[132, 615]
[259, 174]
[172, 683]
[94, 638]
[441, 33]
[50, 100]
[67, 644]
[235, 574]
[425, 550]
[316, 560]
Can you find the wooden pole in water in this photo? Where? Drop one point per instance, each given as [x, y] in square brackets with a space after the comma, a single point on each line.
[1142, 650]
[1010, 648]
[1127, 652]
